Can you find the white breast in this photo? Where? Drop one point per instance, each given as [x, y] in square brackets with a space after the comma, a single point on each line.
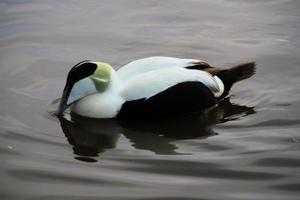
[100, 105]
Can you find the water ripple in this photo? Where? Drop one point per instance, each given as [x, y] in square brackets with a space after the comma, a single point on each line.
[278, 162]
[199, 169]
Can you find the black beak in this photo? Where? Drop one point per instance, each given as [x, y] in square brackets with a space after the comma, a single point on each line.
[63, 101]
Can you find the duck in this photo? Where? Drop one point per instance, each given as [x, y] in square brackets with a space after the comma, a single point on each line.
[149, 87]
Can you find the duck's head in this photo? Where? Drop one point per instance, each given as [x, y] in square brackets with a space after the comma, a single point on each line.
[85, 78]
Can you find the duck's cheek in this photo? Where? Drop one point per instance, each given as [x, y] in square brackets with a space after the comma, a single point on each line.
[81, 89]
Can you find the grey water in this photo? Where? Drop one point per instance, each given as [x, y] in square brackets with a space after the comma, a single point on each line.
[247, 147]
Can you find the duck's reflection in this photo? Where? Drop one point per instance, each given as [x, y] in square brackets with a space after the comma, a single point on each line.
[90, 137]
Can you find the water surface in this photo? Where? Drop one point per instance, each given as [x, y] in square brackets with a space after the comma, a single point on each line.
[245, 148]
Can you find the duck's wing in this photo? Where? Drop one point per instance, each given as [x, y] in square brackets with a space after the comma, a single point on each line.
[148, 84]
[144, 65]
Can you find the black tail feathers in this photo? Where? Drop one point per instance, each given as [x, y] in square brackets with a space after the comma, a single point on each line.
[242, 71]
[237, 73]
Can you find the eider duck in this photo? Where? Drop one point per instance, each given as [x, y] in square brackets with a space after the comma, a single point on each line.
[148, 87]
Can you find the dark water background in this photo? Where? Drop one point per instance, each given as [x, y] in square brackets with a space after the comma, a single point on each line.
[246, 148]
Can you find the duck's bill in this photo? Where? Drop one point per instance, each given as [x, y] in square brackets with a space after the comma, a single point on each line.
[63, 102]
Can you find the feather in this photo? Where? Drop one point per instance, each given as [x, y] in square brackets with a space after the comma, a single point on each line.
[153, 82]
[145, 65]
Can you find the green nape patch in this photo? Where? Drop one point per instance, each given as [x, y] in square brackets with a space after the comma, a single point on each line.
[102, 76]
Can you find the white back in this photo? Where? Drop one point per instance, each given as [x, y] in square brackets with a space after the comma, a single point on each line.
[153, 82]
[143, 65]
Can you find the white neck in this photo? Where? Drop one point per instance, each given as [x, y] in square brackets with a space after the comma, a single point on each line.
[115, 85]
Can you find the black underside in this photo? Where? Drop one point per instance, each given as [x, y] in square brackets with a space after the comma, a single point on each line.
[181, 98]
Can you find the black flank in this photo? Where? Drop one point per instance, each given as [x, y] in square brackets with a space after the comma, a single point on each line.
[182, 98]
